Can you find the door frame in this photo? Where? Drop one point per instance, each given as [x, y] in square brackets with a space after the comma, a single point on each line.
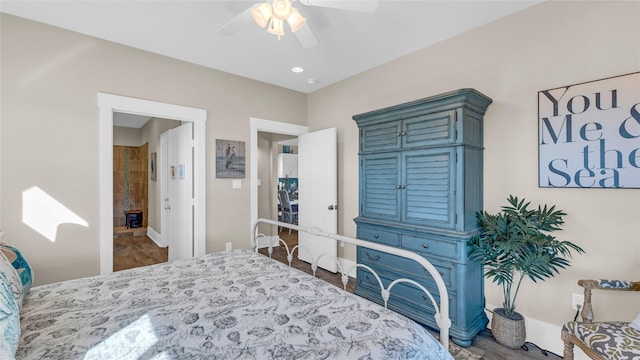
[270, 126]
[108, 104]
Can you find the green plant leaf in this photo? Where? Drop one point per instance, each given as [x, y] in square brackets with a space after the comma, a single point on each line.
[516, 243]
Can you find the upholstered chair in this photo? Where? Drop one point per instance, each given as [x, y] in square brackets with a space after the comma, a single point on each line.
[599, 339]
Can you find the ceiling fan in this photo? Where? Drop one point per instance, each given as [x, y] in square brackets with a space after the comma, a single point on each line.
[272, 16]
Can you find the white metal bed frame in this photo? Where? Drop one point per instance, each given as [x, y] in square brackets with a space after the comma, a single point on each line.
[441, 311]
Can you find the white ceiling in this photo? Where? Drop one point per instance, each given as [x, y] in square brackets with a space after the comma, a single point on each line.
[349, 42]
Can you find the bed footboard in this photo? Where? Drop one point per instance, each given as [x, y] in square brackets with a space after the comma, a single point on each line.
[441, 310]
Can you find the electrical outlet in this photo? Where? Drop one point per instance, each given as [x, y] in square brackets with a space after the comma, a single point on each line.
[228, 246]
[577, 299]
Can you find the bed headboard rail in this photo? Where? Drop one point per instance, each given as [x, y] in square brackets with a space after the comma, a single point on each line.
[441, 310]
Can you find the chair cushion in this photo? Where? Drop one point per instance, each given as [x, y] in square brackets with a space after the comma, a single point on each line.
[614, 284]
[614, 340]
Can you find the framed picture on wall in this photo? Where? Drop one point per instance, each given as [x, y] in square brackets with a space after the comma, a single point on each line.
[589, 134]
[230, 159]
[152, 166]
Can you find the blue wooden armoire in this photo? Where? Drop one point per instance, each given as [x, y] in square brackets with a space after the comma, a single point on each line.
[420, 187]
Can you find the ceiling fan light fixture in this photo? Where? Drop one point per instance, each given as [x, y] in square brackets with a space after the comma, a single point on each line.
[276, 27]
[281, 9]
[295, 20]
[261, 14]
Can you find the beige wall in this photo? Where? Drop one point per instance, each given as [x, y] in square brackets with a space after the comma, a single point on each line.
[49, 115]
[549, 45]
[126, 136]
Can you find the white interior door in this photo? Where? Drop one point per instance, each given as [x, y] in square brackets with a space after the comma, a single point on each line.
[318, 194]
[178, 204]
[162, 166]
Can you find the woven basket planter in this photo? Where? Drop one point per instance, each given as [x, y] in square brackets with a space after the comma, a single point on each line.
[508, 332]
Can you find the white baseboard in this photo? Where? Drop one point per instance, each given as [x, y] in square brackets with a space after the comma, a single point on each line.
[157, 238]
[348, 264]
[263, 242]
[546, 336]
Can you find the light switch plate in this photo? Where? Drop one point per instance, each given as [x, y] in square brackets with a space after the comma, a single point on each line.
[236, 184]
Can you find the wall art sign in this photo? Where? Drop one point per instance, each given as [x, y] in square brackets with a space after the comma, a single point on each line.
[230, 159]
[589, 134]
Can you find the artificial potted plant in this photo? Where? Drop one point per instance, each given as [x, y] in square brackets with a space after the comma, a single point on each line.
[515, 244]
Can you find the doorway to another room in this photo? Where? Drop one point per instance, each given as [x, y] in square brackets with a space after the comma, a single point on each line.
[277, 170]
[287, 188]
[278, 192]
[316, 186]
[194, 239]
[137, 204]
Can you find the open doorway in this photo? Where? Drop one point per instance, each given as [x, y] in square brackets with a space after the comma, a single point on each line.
[263, 189]
[317, 172]
[137, 204]
[278, 190]
[108, 105]
[288, 188]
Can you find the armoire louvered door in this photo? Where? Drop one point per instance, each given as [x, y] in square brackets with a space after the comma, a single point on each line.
[379, 197]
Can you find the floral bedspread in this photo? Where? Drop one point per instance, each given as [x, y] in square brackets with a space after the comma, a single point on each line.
[228, 305]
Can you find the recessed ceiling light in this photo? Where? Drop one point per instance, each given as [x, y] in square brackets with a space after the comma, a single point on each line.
[311, 81]
[297, 69]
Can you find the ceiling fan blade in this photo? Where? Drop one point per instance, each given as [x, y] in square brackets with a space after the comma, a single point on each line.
[237, 22]
[355, 5]
[306, 37]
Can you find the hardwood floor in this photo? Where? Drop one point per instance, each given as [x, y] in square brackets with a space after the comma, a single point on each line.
[483, 345]
[280, 254]
[134, 249]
